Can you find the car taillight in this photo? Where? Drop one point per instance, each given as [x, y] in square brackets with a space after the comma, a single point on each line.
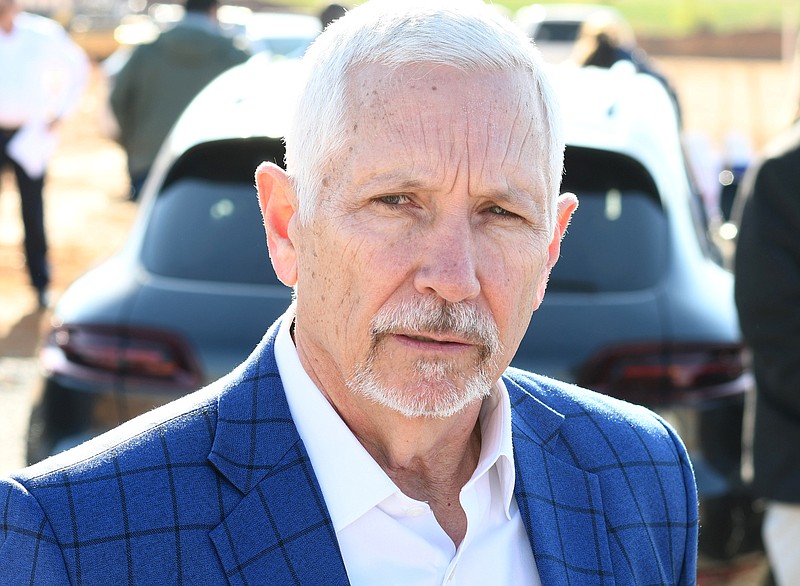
[658, 373]
[133, 355]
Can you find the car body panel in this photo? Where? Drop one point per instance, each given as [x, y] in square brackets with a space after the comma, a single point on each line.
[583, 324]
[173, 306]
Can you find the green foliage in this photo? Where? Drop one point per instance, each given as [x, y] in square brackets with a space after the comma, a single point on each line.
[654, 17]
[307, 6]
[681, 17]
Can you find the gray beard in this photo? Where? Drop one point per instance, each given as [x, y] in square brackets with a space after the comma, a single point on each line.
[433, 392]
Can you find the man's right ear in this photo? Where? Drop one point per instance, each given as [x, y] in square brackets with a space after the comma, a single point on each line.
[277, 200]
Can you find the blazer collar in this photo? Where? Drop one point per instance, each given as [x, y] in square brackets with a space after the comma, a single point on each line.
[254, 427]
[280, 531]
[560, 503]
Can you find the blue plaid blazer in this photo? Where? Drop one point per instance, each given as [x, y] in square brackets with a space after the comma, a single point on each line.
[216, 488]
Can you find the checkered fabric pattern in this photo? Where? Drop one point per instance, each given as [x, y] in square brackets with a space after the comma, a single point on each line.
[605, 488]
[216, 488]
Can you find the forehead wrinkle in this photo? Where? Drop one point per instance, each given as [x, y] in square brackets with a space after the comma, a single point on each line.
[518, 160]
[438, 149]
[521, 159]
[497, 139]
[515, 159]
[439, 146]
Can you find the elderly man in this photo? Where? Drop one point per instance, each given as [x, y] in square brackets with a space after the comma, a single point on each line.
[377, 435]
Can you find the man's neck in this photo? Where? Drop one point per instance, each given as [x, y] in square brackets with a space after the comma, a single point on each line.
[429, 459]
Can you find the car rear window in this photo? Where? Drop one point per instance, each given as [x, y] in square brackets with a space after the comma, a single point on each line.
[557, 31]
[208, 230]
[618, 237]
[204, 228]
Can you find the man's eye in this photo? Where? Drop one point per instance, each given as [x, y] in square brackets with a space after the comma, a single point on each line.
[499, 211]
[393, 200]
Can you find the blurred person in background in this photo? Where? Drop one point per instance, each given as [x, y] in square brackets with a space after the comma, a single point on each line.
[602, 43]
[330, 13]
[767, 270]
[160, 79]
[42, 77]
[737, 153]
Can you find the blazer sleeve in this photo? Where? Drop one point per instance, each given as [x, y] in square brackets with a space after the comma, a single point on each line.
[29, 551]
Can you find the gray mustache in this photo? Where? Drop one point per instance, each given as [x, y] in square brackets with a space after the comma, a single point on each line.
[426, 315]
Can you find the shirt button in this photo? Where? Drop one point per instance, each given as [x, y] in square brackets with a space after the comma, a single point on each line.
[417, 511]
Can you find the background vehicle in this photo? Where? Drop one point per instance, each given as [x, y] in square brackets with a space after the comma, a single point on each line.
[555, 28]
[638, 307]
[279, 34]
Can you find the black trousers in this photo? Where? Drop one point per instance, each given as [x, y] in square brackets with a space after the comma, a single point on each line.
[32, 204]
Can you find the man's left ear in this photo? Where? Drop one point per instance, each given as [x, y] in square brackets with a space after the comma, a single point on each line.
[566, 204]
[277, 200]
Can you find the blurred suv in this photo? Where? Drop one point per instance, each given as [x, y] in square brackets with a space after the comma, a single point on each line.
[556, 28]
[638, 307]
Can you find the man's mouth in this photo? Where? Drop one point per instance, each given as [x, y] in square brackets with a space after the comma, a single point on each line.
[444, 340]
[422, 339]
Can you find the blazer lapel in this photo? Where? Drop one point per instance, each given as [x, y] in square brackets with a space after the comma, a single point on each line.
[280, 532]
[561, 505]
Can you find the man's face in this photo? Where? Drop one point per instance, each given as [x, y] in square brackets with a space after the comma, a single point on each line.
[419, 272]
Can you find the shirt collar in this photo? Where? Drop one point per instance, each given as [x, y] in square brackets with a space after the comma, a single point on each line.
[496, 447]
[351, 481]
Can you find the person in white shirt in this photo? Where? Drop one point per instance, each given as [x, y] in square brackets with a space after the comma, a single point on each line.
[377, 435]
[42, 77]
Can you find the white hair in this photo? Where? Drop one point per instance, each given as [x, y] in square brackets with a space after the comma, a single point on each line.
[465, 34]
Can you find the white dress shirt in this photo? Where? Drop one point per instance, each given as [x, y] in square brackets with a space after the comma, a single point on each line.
[390, 539]
[42, 77]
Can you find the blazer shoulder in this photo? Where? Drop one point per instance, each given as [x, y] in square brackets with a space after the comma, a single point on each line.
[590, 419]
[151, 473]
[572, 400]
[146, 491]
[188, 422]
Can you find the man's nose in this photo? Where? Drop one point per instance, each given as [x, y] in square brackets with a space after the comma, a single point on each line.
[448, 264]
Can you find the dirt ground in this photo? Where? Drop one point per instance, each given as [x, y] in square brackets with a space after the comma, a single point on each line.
[88, 214]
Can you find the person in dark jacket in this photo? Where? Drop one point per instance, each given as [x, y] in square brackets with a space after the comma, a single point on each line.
[767, 268]
[160, 79]
[330, 13]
